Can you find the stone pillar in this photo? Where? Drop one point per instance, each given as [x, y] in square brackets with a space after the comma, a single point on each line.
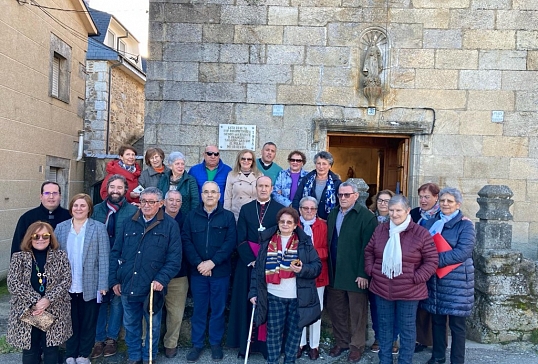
[505, 283]
[362, 187]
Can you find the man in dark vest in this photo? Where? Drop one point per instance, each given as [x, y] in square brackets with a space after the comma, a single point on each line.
[48, 211]
[112, 212]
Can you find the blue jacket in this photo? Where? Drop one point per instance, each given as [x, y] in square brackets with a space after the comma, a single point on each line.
[142, 254]
[200, 175]
[454, 293]
[209, 238]
[282, 187]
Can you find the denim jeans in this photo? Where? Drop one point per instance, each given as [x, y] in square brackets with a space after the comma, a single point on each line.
[206, 292]
[109, 319]
[132, 321]
[405, 312]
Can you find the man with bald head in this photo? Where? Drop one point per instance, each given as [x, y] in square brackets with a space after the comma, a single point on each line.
[211, 169]
[254, 217]
[209, 235]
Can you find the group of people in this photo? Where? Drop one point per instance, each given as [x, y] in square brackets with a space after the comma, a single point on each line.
[163, 231]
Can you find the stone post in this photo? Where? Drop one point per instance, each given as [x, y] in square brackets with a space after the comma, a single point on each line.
[505, 283]
[362, 187]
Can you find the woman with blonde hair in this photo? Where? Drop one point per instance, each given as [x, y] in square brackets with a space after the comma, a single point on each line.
[39, 278]
[241, 182]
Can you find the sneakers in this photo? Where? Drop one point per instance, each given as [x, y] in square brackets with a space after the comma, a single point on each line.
[216, 352]
[395, 348]
[97, 350]
[194, 355]
[82, 360]
[70, 361]
[111, 348]
[375, 347]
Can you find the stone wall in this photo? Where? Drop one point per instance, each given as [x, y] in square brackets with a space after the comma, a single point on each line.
[446, 65]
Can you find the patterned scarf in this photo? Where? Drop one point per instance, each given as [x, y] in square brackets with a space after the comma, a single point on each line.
[429, 214]
[330, 192]
[277, 265]
[131, 169]
[381, 219]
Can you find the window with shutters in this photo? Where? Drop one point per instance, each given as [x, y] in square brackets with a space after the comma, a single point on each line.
[60, 69]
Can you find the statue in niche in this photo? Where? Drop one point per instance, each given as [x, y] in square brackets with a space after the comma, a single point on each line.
[372, 64]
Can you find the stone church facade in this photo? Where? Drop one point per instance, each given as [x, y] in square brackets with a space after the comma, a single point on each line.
[402, 92]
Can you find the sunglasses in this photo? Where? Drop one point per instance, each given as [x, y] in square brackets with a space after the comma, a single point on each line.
[216, 154]
[246, 159]
[285, 222]
[45, 236]
[295, 160]
[309, 208]
[345, 195]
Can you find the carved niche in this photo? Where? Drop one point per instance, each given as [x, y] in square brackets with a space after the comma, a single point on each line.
[374, 64]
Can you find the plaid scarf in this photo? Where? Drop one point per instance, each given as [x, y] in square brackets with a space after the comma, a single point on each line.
[330, 192]
[430, 214]
[381, 219]
[277, 265]
[131, 169]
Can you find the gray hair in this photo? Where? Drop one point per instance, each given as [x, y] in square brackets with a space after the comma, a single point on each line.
[308, 198]
[324, 155]
[453, 192]
[174, 156]
[213, 182]
[152, 191]
[349, 184]
[399, 200]
[173, 191]
[116, 177]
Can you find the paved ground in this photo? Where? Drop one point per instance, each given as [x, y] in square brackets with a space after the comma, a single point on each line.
[514, 353]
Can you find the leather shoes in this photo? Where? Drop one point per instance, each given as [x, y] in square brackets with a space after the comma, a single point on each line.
[337, 351]
[354, 356]
[436, 361]
[313, 354]
[170, 352]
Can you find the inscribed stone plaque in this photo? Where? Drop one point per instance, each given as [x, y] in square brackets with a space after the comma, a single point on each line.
[237, 137]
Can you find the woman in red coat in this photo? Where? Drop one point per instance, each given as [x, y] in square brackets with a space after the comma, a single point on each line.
[128, 168]
[317, 230]
[400, 258]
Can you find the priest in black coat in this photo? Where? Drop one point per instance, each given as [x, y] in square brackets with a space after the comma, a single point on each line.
[48, 211]
[254, 217]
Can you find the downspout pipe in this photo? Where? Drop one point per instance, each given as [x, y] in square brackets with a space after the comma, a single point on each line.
[80, 153]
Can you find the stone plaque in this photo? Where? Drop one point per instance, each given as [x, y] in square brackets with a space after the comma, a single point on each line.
[237, 137]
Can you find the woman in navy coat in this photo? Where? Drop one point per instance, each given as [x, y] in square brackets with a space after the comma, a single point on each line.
[453, 295]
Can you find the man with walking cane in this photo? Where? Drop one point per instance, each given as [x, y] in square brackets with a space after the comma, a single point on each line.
[146, 254]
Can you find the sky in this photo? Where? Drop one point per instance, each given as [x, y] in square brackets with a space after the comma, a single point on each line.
[133, 14]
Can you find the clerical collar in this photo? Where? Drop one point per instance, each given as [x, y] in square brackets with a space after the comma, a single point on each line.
[264, 165]
[264, 202]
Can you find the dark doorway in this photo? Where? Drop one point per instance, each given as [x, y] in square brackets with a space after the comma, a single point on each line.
[381, 160]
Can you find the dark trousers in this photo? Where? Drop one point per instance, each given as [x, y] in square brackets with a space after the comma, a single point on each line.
[38, 345]
[84, 318]
[349, 316]
[282, 322]
[404, 313]
[424, 327]
[457, 331]
[375, 323]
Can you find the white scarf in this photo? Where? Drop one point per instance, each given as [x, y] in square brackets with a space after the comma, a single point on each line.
[392, 255]
[307, 226]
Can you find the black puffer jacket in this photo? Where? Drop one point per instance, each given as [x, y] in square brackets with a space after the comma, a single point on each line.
[308, 305]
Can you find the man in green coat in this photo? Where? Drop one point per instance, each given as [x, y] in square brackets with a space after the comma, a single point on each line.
[350, 226]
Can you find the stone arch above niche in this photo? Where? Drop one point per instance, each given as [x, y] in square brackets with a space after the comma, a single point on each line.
[375, 64]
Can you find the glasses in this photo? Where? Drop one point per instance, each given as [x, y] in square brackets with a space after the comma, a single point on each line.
[425, 197]
[246, 159]
[216, 154]
[54, 194]
[45, 236]
[148, 202]
[345, 195]
[155, 157]
[309, 208]
[212, 192]
[285, 222]
[292, 160]
[381, 201]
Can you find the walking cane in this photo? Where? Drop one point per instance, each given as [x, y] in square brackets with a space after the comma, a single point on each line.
[250, 332]
[151, 323]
